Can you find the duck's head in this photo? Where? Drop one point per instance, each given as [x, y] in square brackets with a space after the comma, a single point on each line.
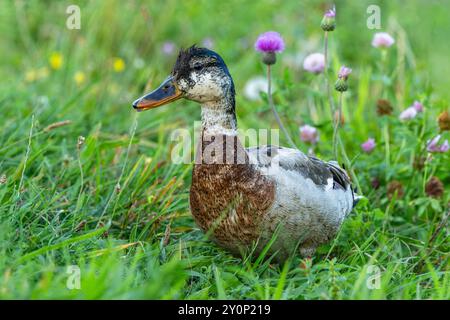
[199, 75]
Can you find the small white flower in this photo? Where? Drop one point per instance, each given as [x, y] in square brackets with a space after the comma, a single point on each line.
[208, 43]
[309, 134]
[43, 101]
[314, 63]
[382, 40]
[138, 63]
[408, 114]
[254, 87]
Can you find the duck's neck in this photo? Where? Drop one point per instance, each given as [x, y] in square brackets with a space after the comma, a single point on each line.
[219, 117]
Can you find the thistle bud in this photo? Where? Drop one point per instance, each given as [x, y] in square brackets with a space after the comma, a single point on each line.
[269, 58]
[341, 84]
[329, 20]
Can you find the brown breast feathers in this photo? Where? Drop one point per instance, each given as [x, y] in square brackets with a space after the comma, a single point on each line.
[228, 196]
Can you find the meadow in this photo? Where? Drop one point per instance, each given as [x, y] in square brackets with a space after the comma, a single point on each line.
[88, 188]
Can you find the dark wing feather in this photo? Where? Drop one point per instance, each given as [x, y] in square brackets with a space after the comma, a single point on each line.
[309, 167]
[339, 175]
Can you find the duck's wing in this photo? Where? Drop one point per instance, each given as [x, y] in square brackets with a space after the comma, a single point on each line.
[326, 175]
[312, 197]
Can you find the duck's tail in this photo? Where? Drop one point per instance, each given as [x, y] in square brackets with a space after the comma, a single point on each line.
[356, 197]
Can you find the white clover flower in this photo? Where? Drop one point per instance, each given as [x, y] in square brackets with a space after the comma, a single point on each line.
[408, 114]
[314, 63]
[382, 40]
[309, 134]
[254, 87]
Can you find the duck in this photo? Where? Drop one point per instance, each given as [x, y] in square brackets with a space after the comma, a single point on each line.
[269, 199]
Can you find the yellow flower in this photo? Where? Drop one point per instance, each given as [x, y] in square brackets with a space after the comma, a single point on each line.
[118, 64]
[42, 73]
[36, 74]
[56, 60]
[79, 77]
[30, 75]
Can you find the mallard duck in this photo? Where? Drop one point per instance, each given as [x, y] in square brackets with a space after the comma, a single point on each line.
[249, 198]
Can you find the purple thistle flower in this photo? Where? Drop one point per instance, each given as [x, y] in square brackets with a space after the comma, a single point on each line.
[382, 40]
[432, 145]
[369, 145]
[270, 41]
[418, 106]
[331, 13]
[344, 72]
[309, 134]
[314, 63]
[408, 114]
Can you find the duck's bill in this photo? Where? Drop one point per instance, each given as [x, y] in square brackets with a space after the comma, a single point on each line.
[166, 93]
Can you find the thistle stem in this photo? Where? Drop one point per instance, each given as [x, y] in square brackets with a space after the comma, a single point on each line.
[348, 165]
[337, 122]
[387, 155]
[336, 138]
[275, 113]
[383, 72]
[325, 72]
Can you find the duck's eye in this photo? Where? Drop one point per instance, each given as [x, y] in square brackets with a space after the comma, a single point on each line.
[197, 66]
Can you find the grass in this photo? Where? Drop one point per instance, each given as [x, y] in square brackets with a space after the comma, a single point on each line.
[114, 205]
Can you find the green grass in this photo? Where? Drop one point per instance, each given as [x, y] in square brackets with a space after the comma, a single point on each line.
[117, 207]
